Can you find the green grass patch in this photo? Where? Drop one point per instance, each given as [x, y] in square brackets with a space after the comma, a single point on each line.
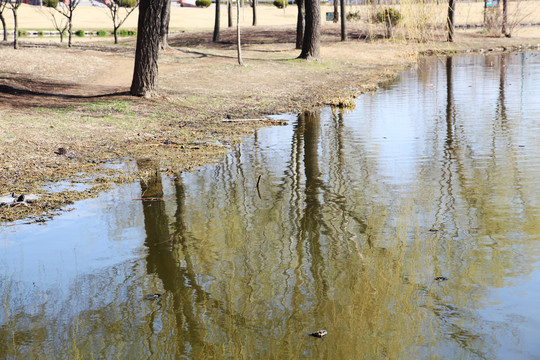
[109, 107]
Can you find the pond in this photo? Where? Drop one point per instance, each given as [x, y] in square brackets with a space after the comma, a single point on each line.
[339, 221]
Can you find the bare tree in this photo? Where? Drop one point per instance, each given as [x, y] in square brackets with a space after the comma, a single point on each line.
[14, 5]
[67, 8]
[215, 38]
[145, 73]
[336, 13]
[450, 20]
[312, 36]
[238, 43]
[164, 29]
[3, 4]
[119, 10]
[300, 23]
[60, 23]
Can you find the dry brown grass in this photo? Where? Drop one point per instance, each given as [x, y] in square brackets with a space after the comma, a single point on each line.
[189, 19]
[52, 97]
[94, 18]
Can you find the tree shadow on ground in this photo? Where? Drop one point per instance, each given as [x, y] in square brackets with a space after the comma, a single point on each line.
[258, 36]
[21, 92]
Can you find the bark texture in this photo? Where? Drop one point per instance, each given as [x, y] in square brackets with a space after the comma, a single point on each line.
[300, 24]
[164, 28]
[312, 36]
[145, 74]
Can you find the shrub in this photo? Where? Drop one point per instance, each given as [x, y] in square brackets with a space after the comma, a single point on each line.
[126, 32]
[126, 3]
[101, 33]
[50, 3]
[389, 15]
[281, 3]
[203, 3]
[354, 16]
[79, 33]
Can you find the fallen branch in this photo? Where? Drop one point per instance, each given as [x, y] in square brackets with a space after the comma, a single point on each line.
[242, 120]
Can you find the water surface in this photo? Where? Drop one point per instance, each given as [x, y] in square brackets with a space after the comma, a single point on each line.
[338, 221]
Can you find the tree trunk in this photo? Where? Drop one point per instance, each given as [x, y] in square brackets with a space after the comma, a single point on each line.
[388, 23]
[343, 21]
[16, 29]
[229, 12]
[145, 74]
[450, 22]
[115, 33]
[336, 16]
[69, 30]
[505, 19]
[215, 38]
[300, 24]
[3, 26]
[254, 12]
[164, 29]
[312, 36]
[239, 43]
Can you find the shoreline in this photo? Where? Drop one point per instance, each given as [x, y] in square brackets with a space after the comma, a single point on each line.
[90, 116]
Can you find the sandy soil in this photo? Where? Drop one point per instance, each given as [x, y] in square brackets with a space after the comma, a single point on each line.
[54, 98]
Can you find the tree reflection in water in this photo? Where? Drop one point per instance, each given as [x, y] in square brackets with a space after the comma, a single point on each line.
[336, 237]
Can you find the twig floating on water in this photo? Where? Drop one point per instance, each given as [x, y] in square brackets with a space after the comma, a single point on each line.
[258, 191]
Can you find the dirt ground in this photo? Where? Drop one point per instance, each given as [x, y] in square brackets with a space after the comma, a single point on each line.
[65, 113]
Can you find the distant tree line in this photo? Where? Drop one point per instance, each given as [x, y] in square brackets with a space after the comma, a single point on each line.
[61, 15]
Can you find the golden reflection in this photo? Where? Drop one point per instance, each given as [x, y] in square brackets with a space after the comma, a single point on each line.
[275, 243]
